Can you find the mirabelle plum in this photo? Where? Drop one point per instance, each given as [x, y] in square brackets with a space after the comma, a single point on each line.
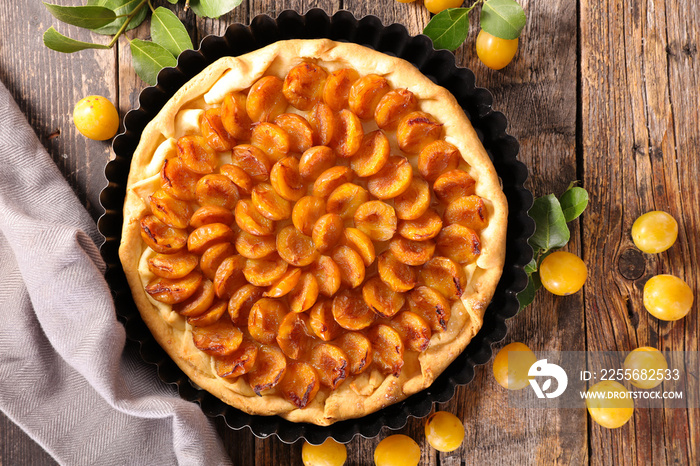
[338, 85]
[647, 366]
[358, 349]
[170, 210]
[265, 100]
[196, 154]
[563, 273]
[96, 117]
[376, 219]
[444, 431]
[329, 453]
[397, 450]
[654, 232]
[270, 368]
[219, 339]
[174, 290]
[172, 265]
[416, 130]
[177, 180]
[366, 93]
[615, 409]
[234, 116]
[495, 52]
[304, 85]
[393, 106]
[667, 297]
[372, 155]
[160, 237]
[300, 384]
[511, 366]
[211, 214]
[436, 6]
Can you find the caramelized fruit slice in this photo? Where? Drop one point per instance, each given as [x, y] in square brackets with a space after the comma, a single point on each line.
[331, 364]
[301, 135]
[252, 161]
[358, 349]
[265, 272]
[412, 252]
[213, 257]
[361, 243]
[376, 219]
[393, 106]
[351, 312]
[352, 268]
[382, 299]
[285, 284]
[413, 329]
[214, 132]
[330, 179]
[270, 367]
[265, 318]
[199, 302]
[234, 117]
[345, 199]
[327, 232]
[431, 306]
[269, 203]
[337, 88]
[216, 190]
[459, 243]
[240, 178]
[348, 134]
[437, 158]
[294, 337]
[322, 322]
[242, 300]
[468, 211]
[249, 219]
[208, 235]
[177, 180]
[399, 276]
[174, 290]
[444, 275]
[229, 276]
[324, 123]
[173, 265]
[452, 185]
[286, 180]
[196, 154]
[388, 349]
[170, 210]
[303, 85]
[416, 130]
[295, 247]
[425, 227]
[211, 214]
[366, 93]
[327, 275]
[237, 363]
[265, 99]
[372, 155]
[219, 339]
[210, 316]
[300, 384]
[271, 139]
[315, 161]
[393, 179]
[413, 202]
[160, 237]
[255, 247]
[304, 294]
[306, 213]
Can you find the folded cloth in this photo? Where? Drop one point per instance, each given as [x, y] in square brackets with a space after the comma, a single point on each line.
[65, 377]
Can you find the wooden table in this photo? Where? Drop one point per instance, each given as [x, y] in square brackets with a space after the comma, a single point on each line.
[603, 91]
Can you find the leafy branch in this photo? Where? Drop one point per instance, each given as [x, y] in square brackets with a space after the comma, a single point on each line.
[501, 18]
[169, 37]
[551, 214]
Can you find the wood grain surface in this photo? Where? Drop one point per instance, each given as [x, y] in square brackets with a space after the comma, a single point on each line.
[602, 91]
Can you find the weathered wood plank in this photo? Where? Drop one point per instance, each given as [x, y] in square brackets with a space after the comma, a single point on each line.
[635, 104]
[537, 93]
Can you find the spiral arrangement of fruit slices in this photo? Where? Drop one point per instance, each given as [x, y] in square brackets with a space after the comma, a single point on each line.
[315, 253]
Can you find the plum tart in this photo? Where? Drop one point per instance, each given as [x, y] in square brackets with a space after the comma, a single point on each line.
[312, 230]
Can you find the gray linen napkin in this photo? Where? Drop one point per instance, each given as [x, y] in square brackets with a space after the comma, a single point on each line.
[64, 375]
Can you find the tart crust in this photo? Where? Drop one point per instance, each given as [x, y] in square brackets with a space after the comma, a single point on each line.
[367, 392]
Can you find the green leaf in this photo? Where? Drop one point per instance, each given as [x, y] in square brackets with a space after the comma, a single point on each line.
[573, 202]
[173, 2]
[550, 224]
[88, 17]
[531, 267]
[213, 8]
[449, 29]
[167, 30]
[121, 8]
[60, 43]
[527, 296]
[149, 59]
[503, 18]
